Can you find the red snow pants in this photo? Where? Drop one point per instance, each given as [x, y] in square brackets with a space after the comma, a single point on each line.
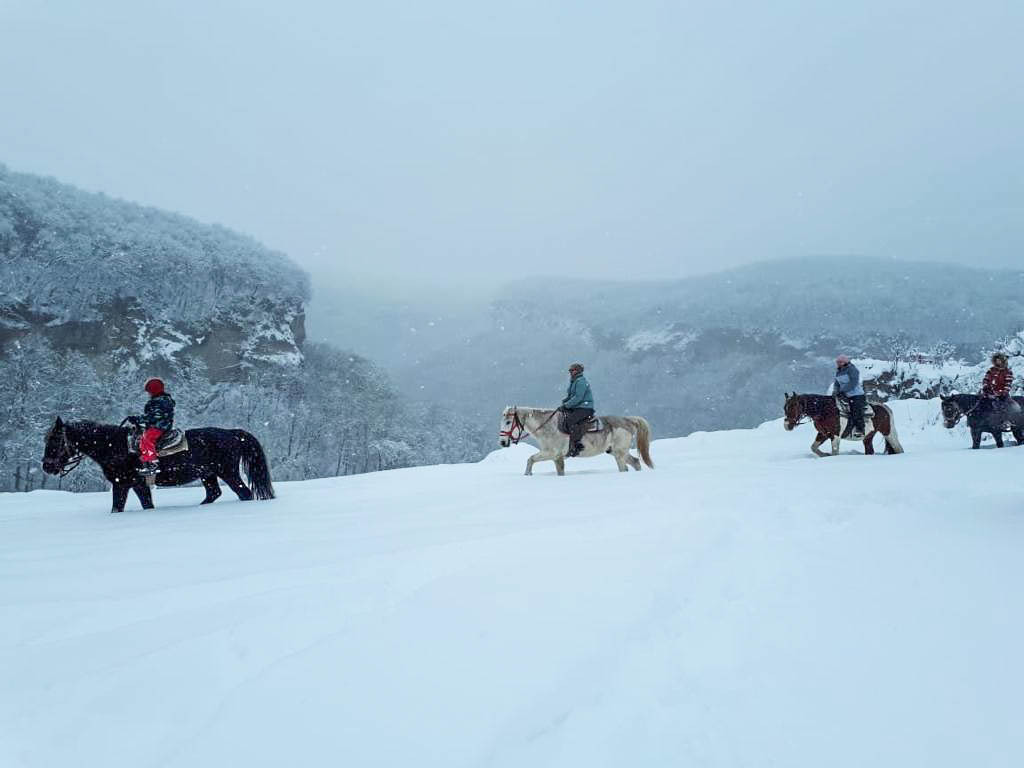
[147, 445]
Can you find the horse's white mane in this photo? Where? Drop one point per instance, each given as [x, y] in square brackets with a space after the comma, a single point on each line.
[510, 408]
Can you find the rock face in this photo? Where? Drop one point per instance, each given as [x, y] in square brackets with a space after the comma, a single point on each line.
[134, 287]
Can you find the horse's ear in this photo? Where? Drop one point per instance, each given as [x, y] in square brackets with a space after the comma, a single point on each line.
[58, 423]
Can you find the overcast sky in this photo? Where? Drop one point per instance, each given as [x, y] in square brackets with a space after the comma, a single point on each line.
[474, 140]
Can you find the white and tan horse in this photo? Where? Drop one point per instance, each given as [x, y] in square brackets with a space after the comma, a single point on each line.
[615, 437]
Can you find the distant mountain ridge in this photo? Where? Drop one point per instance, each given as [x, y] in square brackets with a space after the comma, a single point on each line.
[718, 351]
[803, 297]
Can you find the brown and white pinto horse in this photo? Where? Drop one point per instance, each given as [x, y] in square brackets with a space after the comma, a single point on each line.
[823, 411]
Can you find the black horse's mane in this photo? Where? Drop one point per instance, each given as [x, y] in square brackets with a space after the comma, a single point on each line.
[105, 440]
[93, 427]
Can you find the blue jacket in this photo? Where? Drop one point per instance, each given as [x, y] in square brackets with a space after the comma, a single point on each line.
[579, 395]
[848, 381]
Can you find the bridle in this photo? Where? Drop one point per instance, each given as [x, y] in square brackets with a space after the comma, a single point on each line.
[960, 412]
[72, 456]
[803, 417]
[517, 431]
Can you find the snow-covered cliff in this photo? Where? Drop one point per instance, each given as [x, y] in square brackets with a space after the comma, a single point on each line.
[129, 285]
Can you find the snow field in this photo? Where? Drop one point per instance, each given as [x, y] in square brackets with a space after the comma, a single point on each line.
[744, 604]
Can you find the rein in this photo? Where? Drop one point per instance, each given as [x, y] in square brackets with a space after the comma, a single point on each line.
[518, 431]
[805, 414]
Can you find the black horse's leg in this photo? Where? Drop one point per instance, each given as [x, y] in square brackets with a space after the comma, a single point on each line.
[975, 437]
[144, 493]
[1018, 435]
[212, 489]
[997, 435]
[234, 481]
[120, 491]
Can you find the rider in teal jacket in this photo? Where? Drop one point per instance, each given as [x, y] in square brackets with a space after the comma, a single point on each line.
[578, 405]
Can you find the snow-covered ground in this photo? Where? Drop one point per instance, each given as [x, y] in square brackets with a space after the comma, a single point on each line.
[744, 604]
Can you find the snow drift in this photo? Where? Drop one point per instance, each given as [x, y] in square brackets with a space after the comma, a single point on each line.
[743, 605]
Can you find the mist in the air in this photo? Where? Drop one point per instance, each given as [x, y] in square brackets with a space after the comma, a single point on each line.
[422, 148]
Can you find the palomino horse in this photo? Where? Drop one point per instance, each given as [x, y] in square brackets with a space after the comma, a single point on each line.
[615, 437]
[823, 411]
[981, 418]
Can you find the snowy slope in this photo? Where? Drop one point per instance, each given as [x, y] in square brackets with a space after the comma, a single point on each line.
[743, 604]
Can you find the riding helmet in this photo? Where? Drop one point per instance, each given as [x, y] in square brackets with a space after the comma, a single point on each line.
[154, 386]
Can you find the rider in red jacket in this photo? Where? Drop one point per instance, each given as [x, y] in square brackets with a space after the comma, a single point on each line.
[157, 418]
[996, 387]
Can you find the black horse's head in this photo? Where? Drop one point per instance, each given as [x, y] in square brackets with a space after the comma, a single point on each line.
[793, 411]
[59, 454]
[951, 411]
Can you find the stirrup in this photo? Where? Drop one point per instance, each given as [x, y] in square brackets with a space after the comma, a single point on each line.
[149, 469]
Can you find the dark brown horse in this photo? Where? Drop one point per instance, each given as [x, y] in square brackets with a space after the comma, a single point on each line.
[823, 411]
[982, 417]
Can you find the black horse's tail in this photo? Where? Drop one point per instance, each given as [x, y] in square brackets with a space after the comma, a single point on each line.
[254, 462]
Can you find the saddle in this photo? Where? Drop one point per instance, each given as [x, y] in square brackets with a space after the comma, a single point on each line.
[171, 442]
[844, 415]
[593, 424]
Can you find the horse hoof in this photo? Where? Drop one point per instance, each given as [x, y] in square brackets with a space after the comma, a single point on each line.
[115, 511]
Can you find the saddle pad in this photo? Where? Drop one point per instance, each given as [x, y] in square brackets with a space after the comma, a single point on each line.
[168, 445]
[178, 444]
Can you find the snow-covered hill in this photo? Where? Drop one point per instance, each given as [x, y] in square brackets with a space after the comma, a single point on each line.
[743, 604]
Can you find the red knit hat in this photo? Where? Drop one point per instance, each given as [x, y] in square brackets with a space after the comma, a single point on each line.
[154, 387]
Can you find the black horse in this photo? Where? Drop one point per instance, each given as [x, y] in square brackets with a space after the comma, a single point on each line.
[211, 453]
[981, 418]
